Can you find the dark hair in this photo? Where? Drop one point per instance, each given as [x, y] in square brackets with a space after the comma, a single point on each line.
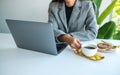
[60, 1]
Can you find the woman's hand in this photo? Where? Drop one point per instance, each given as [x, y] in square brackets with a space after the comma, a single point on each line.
[72, 41]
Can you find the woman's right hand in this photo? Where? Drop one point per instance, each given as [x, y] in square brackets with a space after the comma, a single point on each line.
[72, 41]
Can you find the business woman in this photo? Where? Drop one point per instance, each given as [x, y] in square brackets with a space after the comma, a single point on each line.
[73, 21]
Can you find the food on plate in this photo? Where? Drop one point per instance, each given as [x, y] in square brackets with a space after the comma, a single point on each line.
[96, 57]
[77, 51]
[104, 45]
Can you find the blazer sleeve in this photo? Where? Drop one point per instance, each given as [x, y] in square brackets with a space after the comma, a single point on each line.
[90, 29]
[53, 21]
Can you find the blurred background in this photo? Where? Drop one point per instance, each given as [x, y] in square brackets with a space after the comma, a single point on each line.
[116, 19]
[32, 10]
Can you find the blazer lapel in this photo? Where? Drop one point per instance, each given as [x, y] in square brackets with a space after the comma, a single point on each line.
[62, 15]
[75, 13]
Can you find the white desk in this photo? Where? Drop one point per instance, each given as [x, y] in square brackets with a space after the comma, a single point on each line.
[16, 61]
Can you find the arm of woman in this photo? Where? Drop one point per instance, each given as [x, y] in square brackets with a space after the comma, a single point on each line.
[61, 36]
[52, 20]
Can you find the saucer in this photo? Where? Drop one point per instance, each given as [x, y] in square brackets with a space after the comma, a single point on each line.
[106, 47]
[96, 57]
[106, 50]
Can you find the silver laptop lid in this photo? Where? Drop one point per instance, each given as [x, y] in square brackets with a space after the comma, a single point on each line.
[36, 36]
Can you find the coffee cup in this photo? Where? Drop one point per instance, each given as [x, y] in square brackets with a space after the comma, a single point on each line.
[89, 49]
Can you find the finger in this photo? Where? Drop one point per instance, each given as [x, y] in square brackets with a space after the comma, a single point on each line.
[77, 46]
[74, 46]
[79, 43]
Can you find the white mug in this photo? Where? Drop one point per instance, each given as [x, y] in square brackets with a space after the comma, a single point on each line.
[89, 49]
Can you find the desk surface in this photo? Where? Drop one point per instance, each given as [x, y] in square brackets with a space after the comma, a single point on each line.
[16, 61]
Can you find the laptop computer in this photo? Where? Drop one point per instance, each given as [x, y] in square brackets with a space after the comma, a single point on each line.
[36, 36]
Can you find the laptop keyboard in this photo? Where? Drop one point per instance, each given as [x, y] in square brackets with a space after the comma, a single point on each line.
[61, 46]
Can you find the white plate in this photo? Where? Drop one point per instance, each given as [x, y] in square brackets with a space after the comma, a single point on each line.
[107, 51]
[110, 49]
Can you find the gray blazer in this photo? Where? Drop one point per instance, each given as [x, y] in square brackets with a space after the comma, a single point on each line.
[82, 23]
